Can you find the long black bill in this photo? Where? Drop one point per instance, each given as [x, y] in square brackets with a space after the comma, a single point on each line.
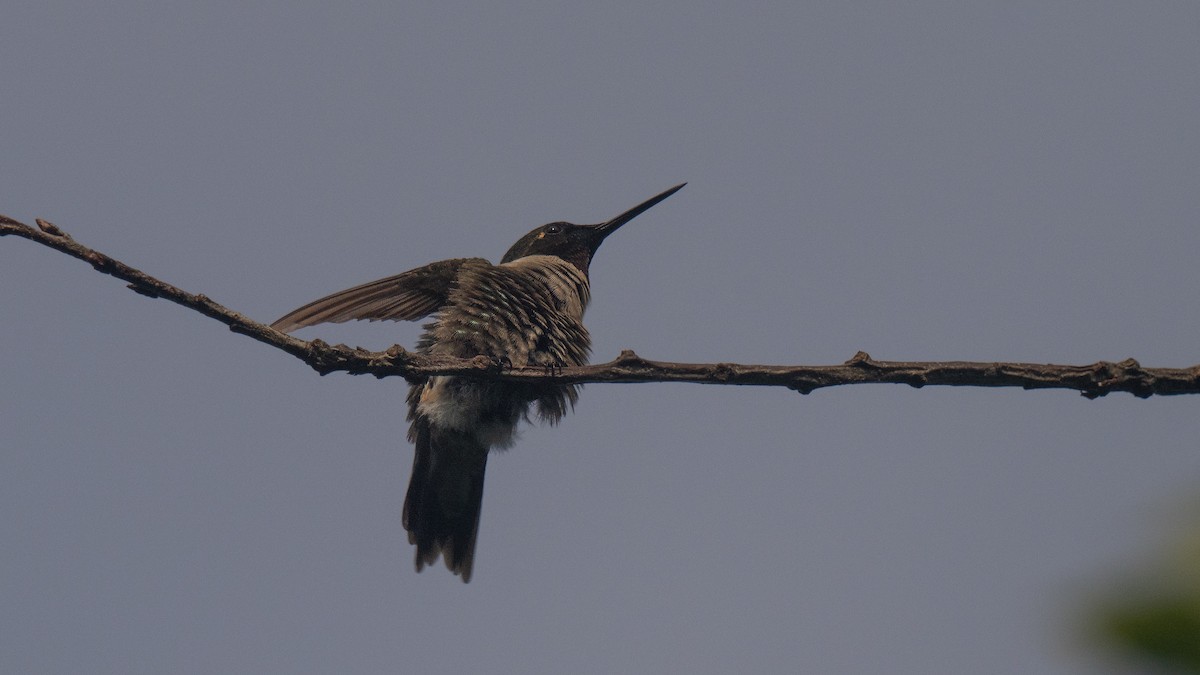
[611, 226]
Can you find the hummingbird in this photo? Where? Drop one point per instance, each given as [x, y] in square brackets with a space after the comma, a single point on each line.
[525, 311]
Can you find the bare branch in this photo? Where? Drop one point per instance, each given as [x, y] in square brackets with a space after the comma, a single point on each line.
[1095, 380]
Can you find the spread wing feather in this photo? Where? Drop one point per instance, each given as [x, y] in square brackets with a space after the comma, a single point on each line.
[409, 296]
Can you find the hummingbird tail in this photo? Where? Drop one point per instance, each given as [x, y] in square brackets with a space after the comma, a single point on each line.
[441, 510]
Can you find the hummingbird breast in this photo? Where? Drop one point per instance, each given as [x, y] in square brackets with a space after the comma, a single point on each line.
[527, 312]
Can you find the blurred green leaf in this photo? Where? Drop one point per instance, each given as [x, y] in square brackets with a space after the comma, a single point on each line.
[1156, 616]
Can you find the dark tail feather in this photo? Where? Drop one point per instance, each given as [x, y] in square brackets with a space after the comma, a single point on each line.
[441, 510]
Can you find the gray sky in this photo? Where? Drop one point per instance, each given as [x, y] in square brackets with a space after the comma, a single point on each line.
[927, 180]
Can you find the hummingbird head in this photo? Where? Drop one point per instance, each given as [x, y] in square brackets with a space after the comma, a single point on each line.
[576, 243]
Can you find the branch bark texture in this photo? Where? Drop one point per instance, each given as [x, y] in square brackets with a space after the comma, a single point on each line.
[1092, 381]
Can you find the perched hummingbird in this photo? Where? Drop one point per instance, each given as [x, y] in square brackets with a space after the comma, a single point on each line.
[526, 311]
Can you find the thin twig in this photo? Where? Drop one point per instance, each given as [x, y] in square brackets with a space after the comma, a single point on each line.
[1095, 380]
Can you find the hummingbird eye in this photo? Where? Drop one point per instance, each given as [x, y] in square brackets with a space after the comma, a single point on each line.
[554, 228]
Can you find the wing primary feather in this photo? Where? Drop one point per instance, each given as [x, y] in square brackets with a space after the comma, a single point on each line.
[408, 296]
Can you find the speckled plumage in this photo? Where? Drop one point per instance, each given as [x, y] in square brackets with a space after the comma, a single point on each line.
[526, 311]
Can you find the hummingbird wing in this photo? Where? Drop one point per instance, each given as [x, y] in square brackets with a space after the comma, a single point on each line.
[407, 296]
